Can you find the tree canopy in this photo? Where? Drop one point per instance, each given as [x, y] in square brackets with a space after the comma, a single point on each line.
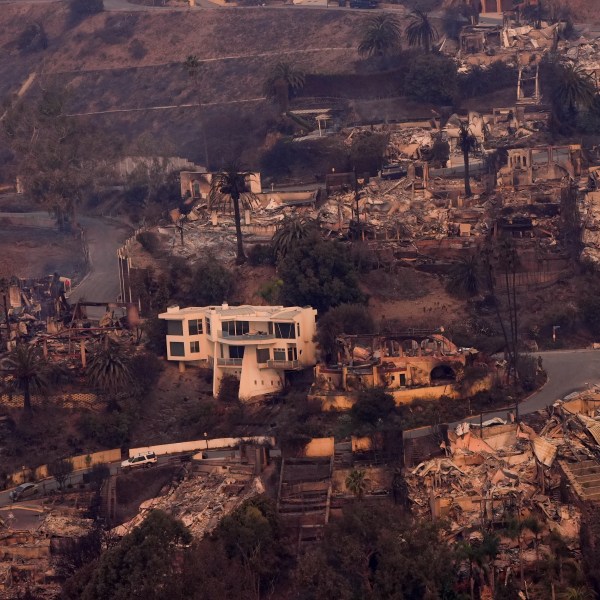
[381, 36]
[320, 274]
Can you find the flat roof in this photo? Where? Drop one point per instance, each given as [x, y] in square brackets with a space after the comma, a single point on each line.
[267, 312]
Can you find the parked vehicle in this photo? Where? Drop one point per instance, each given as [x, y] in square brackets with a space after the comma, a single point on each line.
[396, 171]
[25, 490]
[363, 4]
[146, 459]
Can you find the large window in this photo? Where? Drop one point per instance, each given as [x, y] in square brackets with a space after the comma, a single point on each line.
[174, 327]
[263, 355]
[177, 348]
[236, 351]
[285, 331]
[279, 354]
[236, 327]
[195, 326]
[194, 347]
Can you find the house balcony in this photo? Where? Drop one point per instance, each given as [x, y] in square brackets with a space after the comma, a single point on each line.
[252, 338]
[229, 362]
[287, 365]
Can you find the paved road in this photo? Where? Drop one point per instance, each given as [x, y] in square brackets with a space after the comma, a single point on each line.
[101, 284]
[568, 371]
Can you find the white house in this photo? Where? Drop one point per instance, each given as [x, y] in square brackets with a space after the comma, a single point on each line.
[257, 344]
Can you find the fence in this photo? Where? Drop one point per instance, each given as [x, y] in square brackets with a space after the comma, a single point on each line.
[82, 461]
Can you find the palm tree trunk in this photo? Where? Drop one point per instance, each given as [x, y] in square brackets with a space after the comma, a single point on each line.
[468, 192]
[26, 395]
[241, 257]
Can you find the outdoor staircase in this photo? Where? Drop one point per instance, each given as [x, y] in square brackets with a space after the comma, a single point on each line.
[304, 497]
[342, 458]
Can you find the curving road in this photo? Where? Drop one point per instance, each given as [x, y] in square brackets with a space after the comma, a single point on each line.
[101, 284]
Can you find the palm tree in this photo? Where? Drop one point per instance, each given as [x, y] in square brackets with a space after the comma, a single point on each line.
[230, 184]
[381, 36]
[357, 483]
[285, 80]
[573, 88]
[421, 31]
[289, 233]
[578, 593]
[465, 277]
[467, 142]
[29, 371]
[192, 65]
[109, 368]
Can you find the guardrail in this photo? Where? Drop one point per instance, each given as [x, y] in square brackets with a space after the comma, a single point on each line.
[229, 362]
[247, 336]
[283, 364]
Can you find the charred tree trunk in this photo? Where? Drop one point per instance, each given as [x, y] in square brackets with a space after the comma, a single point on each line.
[241, 257]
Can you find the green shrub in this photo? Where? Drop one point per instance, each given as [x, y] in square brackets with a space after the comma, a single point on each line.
[229, 389]
[33, 38]
[432, 78]
[137, 49]
[372, 405]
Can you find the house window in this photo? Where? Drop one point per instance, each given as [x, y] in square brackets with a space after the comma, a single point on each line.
[208, 325]
[194, 347]
[297, 329]
[236, 351]
[263, 355]
[270, 327]
[236, 327]
[285, 331]
[174, 327]
[402, 380]
[292, 353]
[279, 354]
[177, 348]
[195, 326]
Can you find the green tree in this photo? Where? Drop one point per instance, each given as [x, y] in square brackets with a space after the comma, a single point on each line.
[375, 552]
[467, 142]
[109, 369]
[367, 152]
[381, 36]
[346, 318]
[465, 277]
[192, 65]
[356, 482]
[140, 567]
[211, 284]
[28, 371]
[432, 78]
[230, 186]
[420, 31]
[285, 80]
[372, 406]
[289, 232]
[319, 273]
[455, 18]
[60, 469]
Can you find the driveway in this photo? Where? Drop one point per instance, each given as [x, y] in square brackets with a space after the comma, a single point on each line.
[101, 284]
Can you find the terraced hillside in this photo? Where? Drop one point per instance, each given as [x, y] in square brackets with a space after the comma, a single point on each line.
[130, 65]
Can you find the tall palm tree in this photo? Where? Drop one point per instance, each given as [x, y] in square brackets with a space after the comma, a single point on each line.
[421, 31]
[109, 368]
[573, 88]
[284, 81]
[381, 36]
[467, 142]
[192, 67]
[357, 483]
[230, 185]
[29, 371]
[290, 231]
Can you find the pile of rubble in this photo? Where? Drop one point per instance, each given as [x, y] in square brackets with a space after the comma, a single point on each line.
[498, 473]
[200, 501]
